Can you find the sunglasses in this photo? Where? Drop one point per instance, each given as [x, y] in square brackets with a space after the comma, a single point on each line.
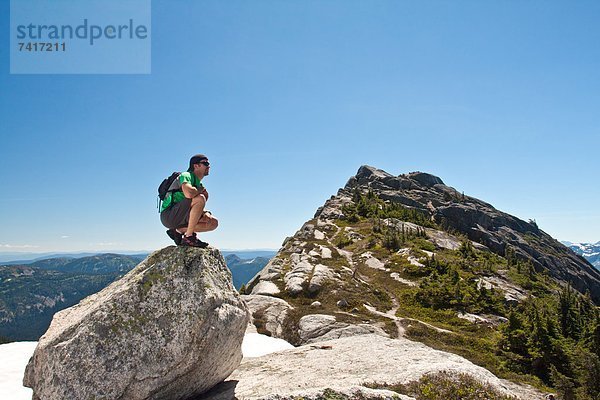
[205, 163]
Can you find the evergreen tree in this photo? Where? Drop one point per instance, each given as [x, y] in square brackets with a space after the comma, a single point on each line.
[568, 313]
[587, 367]
[466, 249]
[564, 384]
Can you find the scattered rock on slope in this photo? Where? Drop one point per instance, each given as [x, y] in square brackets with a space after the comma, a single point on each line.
[319, 327]
[169, 329]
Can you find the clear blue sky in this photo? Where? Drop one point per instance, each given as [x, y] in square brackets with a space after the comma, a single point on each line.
[288, 98]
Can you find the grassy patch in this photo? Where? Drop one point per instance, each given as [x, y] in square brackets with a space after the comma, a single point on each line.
[423, 244]
[446, 385]
[480, 350]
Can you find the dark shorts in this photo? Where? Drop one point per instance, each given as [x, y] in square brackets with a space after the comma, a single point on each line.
[178, 215]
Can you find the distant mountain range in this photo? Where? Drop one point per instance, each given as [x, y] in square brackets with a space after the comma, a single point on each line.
[19, 258]
[244, 269]
[589, 251]
[100, 264]
[31, 292]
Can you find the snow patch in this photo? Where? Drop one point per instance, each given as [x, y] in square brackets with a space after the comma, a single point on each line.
[256, 345]
[15, 357]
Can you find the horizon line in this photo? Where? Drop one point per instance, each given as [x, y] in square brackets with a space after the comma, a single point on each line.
[120, 251]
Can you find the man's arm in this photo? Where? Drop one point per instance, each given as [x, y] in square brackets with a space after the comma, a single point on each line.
[190, 191]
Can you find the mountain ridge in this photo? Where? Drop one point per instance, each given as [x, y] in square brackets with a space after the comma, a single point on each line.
[482, 223]
[408, 256]
[31, 294]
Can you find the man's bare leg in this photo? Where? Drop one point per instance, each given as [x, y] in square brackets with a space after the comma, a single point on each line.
[206, 224]
[196, 210]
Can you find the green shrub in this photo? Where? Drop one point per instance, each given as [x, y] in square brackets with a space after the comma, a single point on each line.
[369, 205]
[446, 385]
[342, 240]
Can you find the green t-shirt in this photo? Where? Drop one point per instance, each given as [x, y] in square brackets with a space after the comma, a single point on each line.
[176, 197]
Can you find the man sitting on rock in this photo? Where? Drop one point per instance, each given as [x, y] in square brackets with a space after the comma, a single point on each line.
[183, 211]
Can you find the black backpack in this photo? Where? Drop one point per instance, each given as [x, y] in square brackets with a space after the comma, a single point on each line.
[165, 187]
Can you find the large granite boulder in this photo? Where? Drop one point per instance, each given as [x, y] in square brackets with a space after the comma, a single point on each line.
[171, 328]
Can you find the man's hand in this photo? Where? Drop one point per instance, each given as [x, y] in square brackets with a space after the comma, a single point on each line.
[204, 192]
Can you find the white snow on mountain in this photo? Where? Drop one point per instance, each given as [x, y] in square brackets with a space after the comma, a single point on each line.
[14, 358]
[256, 345]
[587, 249]
[590, 251]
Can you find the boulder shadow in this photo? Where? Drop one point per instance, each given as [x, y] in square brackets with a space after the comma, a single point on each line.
[223, 391]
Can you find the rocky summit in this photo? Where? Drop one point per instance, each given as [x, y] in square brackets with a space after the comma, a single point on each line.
[171, 328]
[500, 232]
[408, 257]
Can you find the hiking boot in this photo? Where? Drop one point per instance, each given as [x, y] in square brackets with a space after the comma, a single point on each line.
[202, 244]
[176, 236]
[193, 241]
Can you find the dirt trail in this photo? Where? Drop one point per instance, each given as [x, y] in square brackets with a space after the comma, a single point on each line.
[344, 253]
[391, 314]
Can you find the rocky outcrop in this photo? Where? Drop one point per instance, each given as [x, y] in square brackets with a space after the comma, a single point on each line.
[512, 293]
[265, 288]
[304, 273]
[169, 329]
[268, 313]
[502, 233]
[488, 320]
[344, 365]
[299, 274]
[271, 271]
[318, 327]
